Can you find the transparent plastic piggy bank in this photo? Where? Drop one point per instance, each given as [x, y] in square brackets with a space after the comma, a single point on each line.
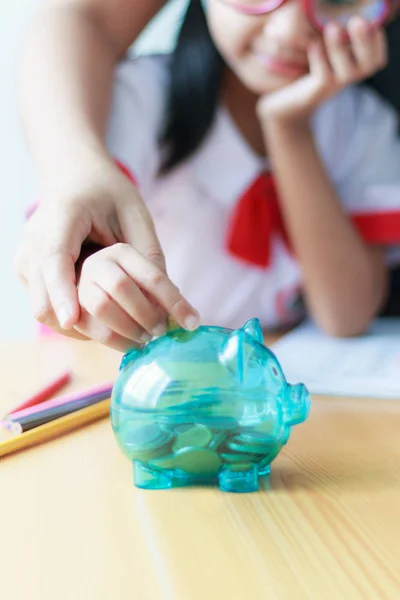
[212, 406]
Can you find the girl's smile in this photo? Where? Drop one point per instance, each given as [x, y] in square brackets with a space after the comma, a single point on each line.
[284, 68]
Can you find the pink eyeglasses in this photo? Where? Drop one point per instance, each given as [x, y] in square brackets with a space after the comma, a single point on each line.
[321, 12]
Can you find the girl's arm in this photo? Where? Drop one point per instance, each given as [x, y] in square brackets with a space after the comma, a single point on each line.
[65, 89]
[66, 79]
[345, 280]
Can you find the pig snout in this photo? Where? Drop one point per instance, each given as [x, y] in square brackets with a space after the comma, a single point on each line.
[297, 404]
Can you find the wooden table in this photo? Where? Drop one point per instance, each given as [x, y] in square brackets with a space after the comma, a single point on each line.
[73, 526]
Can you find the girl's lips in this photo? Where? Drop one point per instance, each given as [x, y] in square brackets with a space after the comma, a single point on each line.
[281, 67]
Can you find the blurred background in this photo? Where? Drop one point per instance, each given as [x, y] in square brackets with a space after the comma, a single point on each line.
[19, 185]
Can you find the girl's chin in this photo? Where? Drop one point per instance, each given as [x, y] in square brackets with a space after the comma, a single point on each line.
[262, 82]
[262, 85]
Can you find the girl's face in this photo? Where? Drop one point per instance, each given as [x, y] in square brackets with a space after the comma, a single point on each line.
[266, 52]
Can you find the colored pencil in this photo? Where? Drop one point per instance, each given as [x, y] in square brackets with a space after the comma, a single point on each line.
[56, 428]
[45, 416]
[47, 392]
[96, 390]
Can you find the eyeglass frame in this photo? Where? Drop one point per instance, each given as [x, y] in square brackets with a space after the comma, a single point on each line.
[308, 7]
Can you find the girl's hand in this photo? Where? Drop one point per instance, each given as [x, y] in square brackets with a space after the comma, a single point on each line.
[124, 296]
[335, 62]
[100, 204]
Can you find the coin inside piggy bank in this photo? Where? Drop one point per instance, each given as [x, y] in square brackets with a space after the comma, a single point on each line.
[210, 406]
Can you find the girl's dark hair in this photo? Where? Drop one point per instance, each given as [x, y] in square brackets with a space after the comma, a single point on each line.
[195, 78]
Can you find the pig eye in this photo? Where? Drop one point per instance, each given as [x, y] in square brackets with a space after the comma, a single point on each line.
[275, 372]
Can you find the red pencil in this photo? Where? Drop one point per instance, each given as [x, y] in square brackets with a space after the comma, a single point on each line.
[45, 393]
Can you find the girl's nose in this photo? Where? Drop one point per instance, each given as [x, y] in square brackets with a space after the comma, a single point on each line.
[289, 26]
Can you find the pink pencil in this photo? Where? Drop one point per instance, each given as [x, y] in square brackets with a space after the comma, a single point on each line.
[98, 390]
[47, 392]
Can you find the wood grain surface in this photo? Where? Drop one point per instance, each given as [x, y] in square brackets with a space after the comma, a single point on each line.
[73, 526]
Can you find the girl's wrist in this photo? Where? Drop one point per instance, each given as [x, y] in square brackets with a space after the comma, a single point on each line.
[287, 131]
[272, 116]
[299, 120]
[71, 169]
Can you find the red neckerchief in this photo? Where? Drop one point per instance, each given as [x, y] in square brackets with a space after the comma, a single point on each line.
[255, 218]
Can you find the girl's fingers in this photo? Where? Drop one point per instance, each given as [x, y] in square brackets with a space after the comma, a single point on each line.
[318, 61]
[42, 307]
[369, 46]
[136, 307]
[59, 274]
[51, 245]
[41, 304]
[97, 331]
[155, 281]
[98, 303]
[58, 256]
[340, 54]
[138, 230]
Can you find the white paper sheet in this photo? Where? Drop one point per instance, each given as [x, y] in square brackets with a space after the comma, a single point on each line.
[367, 366]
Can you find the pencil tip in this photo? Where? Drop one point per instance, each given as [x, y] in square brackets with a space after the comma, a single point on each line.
[9, 429]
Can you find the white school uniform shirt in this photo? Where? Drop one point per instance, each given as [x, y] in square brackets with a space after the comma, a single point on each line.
[356, 134]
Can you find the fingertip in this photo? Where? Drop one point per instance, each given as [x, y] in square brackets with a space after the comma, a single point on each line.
[60, 280]
[67, 315]
[192, 321]
[334, 33]
[359, 25]
[330, 30]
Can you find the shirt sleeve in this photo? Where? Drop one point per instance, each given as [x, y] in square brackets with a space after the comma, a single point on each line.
[358, 137]
[137, 116]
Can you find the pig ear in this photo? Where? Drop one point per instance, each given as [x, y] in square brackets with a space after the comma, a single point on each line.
[130, 356]
[253, 329]
[233, 357]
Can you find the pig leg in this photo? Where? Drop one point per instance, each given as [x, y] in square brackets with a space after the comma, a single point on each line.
[238, 481]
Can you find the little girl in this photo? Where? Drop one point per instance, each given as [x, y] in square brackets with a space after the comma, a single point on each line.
[273, 182]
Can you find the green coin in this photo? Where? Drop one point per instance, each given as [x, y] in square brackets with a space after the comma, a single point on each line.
[218, 422]
[172, 420]
[191, 460]
[217, 440]
[241, 444]
[195, 437]
[146, 455]
[182, 428]
[256, 437]
[236, 458]
[164, 462]
[198, 461]
[144, 441]
[141, 435]
[265, 428]
[260, 444]
[240, 467]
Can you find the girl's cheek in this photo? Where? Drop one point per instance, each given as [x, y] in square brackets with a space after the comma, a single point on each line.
[231, 31]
